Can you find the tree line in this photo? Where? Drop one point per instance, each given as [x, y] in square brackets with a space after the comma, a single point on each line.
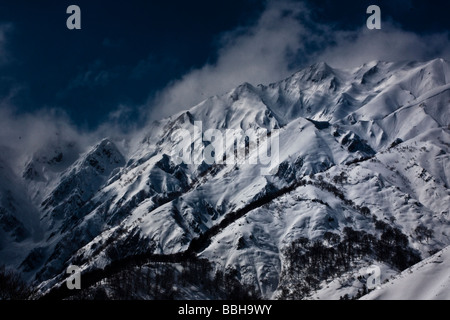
[307, 263]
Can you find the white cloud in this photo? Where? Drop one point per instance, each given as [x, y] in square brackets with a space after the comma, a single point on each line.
[260, 54]
[21, 135]
[267, 52]
[353, 48]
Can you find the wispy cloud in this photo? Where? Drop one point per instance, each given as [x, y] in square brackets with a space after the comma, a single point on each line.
[22, 135]
[95, 75]
[281, 41]
[353, 48]
[285, 39]
[259, 54]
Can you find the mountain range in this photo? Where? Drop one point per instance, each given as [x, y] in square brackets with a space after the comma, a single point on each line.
[361, 177]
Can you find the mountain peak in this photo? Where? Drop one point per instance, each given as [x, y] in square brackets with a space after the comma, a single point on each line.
[87, 175]
[104, 156]
[319, 72]
[335, 174]
[243, 88]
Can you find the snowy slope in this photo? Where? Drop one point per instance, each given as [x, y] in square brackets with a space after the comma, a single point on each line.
[375, 137]
[65, 204]
[171, 206]
[427, 280]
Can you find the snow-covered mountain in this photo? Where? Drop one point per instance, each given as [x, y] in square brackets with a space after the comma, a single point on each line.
[427, 280]
[366, 149]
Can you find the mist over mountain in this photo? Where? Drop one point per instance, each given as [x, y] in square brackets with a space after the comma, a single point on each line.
[361, 177]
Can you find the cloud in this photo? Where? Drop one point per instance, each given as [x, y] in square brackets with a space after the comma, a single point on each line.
[285, 39]
[260, 54]
[96, 75]
[22, 135]
[353, 48]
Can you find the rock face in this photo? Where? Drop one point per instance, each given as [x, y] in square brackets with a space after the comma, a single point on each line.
[355, 147]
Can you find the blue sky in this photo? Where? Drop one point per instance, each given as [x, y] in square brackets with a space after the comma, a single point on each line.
[125, 51]
[139, 60]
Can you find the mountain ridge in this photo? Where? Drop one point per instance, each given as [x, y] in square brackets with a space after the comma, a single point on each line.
[351, 142]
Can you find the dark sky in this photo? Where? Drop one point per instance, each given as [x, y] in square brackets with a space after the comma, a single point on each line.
[129, 50]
